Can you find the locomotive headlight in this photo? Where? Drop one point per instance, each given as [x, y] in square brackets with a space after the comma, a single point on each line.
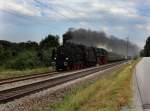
[67, 58]
[53, 63]
[65, 63]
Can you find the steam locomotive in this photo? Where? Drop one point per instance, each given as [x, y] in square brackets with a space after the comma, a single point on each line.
[77, 56]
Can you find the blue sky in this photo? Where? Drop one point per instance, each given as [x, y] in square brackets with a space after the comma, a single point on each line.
[23, 20]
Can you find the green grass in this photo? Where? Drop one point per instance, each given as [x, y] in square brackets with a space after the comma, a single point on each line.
[110, 93]
[16, 73]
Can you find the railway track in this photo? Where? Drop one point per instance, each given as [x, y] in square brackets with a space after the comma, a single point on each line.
[26, 77]
[21, 91]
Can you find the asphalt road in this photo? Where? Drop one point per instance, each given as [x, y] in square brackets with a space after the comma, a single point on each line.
[142, 78]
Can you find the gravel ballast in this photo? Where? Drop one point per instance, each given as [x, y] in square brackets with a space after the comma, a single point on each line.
[34, 80]
[52, 94]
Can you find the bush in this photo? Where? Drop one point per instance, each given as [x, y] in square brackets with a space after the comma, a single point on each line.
[27, 55]
[45, 57]
[24, 60]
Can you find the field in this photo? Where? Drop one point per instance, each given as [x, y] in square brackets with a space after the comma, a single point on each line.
[110, 93]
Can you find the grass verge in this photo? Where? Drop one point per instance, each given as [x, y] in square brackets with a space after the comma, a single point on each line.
[110, 93]
[15, 73]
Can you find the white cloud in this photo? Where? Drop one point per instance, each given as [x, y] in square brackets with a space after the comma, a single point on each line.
[123, 8]
[115, 16]
[74, 9]
[22, 7]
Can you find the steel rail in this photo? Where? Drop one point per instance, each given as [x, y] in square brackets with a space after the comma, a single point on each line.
[21, 91]
[33, 76]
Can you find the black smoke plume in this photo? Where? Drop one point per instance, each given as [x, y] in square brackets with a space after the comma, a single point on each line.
[101, 40]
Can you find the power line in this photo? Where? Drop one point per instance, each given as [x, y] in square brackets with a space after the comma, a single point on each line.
[73, 10]
[127, 49]
[54, 10]
[70, 19]
[53, 29]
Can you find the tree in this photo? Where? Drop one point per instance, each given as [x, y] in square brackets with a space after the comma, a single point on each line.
[45, 57]
[28, 46]
[28, 54]
[49, 42]
[142, 53]
[24, 60]
[147, 47]
[46, 47]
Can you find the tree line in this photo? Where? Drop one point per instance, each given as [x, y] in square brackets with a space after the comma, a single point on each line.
[146, 51]
[27, 55]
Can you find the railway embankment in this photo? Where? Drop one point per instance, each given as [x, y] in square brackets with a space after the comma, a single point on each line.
[109, 93]
[58, 92]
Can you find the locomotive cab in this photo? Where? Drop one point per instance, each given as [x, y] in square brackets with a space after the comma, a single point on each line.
[102, 56]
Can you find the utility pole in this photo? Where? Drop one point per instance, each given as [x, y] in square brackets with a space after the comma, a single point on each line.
[127, 47]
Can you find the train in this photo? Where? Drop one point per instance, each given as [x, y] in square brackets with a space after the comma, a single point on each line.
[70, 56]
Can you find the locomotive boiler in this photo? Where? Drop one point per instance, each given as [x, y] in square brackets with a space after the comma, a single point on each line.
[76, 56]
